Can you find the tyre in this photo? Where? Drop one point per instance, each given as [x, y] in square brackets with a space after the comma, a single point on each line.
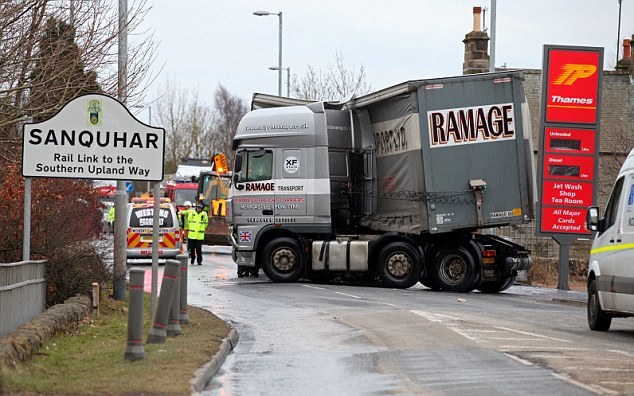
[496, 286]
[427, 281]
[399, 265]
[454, 270]
[282, 260]
[597, 318]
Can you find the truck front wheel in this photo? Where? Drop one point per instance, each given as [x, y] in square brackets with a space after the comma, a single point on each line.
[454, 270]
[282, 260]
[597, 318]
[399, 265]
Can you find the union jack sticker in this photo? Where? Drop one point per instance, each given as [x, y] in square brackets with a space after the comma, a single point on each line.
[245, 236]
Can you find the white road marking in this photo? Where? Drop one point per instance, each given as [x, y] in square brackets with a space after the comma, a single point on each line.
[462, 333]
[430, 317]
[599, 390]
[519, 359]
[390, 305]
[530, 334]
[314, 287]
[348, 295]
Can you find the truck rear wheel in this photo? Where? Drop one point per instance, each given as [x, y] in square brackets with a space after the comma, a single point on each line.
[454, 270]
[496, 286]
[597, 318]
[282, 260]
[399, 265]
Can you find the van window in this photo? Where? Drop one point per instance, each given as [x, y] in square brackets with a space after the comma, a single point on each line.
[144, 217]
[612, 207]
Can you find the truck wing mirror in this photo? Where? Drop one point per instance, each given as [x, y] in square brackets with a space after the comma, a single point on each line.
[236, 180]
[592, 218]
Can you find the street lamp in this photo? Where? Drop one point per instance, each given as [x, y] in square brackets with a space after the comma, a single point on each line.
[288, 79]
[279, 79]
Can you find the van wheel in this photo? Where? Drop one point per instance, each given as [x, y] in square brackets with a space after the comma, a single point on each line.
[399, 265]
[597, 318]
[496, 286]
[282, 260]
[454, 270]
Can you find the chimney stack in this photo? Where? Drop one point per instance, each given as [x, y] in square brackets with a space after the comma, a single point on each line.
[626, 61]
[476, 47]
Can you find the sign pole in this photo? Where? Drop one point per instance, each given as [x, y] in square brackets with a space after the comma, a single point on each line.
[120, 201]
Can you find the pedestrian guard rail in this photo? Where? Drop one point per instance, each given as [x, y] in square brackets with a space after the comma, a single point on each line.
[22, 293]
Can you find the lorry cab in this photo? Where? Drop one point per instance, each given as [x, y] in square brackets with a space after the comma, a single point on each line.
[611, 265]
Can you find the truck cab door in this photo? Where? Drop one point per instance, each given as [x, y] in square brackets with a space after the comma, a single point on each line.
[622, 281]
[291, 187]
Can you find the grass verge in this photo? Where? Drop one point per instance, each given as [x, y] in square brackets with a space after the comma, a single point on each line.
[89, 360]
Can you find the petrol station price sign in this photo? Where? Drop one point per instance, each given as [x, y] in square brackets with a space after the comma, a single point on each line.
[569, 144]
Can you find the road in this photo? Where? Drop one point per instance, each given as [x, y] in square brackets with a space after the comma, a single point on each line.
[313, 339]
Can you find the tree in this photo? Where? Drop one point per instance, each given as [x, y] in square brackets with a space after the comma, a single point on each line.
[335, 83]
[43, 51]
[194, 129]
[229, 110]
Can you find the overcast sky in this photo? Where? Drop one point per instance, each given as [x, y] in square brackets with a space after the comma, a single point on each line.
[203, 43]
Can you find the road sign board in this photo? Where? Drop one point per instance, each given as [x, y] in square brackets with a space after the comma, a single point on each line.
[93, 136]
[129, 187]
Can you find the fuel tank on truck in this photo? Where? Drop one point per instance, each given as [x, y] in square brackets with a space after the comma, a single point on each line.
[451, 153]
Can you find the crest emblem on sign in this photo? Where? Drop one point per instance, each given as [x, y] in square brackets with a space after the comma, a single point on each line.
[94, 112]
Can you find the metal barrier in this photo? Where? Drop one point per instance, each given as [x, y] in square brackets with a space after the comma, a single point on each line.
[22, 293]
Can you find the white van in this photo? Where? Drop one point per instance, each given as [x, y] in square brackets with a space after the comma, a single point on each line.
[611, 265]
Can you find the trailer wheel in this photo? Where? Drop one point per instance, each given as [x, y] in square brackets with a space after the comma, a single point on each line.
[496, 286]
[597, 318]
[282, 260]
[399, 265]
[455, 270]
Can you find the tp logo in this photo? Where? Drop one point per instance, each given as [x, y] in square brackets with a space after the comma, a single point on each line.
[570, 72]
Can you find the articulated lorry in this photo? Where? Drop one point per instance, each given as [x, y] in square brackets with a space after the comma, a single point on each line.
[400, 185]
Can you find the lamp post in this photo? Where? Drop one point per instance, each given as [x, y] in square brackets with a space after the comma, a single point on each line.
[288, 79]
[279, 78]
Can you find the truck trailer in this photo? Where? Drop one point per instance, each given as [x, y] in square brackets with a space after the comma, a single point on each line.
[402, 185]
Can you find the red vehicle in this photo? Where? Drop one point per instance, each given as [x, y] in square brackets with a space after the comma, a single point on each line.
[179, 191]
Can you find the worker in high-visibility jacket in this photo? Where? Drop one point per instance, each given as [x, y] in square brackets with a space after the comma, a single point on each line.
[183, 217]
[110, 219]
[196, 225]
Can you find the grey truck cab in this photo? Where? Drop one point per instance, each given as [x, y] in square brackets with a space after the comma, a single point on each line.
[611, 264]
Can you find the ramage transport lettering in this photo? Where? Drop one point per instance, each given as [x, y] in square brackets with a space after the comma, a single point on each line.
[471, 125]
[93, 137]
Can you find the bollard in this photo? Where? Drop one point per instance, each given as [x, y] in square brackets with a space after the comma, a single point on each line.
[95, 299]
[157, 332]
[184, 316]
[173, 323]
[135, 350]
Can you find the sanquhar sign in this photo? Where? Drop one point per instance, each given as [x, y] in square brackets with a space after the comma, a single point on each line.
[93, 136]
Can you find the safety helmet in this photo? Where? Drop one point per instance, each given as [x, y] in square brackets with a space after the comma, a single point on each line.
[200, 206]
[187, 203]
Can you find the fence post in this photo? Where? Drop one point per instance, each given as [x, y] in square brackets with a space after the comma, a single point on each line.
[135, 349]
[157, 332]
